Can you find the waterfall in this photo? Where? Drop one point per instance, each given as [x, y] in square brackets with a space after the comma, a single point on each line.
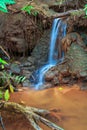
[57, 33]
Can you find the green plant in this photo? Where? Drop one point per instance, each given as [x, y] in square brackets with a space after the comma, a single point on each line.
[3, 4]
[85, 9]
[5, 95]
[3, 62]
[8, 81]
[30, 10]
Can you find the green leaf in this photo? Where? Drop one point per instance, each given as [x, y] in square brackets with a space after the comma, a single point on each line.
[3, 10]
[6, 95]
[85, 8]
[1, 94]
[3, 62]
[23, 79]
[86, 12]
[28, 11]
[9, 1]
[3, 3]
[85, 5]
[27, 8]
[3, 6]
[11, 88]
[17, 78]
[2, 66]
[30, 7]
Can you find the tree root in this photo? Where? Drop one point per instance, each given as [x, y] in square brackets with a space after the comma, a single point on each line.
[34, 115]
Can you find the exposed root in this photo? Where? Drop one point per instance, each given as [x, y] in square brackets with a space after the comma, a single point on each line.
[34, 115]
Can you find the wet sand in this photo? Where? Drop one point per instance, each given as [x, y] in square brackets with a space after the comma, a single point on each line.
[71, 104]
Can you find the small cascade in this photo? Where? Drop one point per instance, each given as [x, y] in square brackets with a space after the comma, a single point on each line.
[55, 52]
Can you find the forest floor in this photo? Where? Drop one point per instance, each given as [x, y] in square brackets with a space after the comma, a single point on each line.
[69, 105]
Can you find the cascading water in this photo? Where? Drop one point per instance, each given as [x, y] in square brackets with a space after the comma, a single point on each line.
[58, 32]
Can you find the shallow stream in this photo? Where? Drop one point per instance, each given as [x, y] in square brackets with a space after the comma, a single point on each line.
[71, 104]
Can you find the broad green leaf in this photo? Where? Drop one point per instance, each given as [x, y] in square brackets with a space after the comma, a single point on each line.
[2, 5]
[3, 10]
[3, 62]
[11, 88]
[6, 95]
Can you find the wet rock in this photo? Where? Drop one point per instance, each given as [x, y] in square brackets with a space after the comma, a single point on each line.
[49, 76]
[84, 37]
[15, 68]
[26, 73]
[26, 83]
[71, 38]
[27, 66]
[74, 66]
[41, 50]
[45, 86]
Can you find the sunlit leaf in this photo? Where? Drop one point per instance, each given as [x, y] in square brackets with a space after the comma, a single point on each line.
[6, 95]
[11, 88]
[3, 61]
[2, 66]
[23, 79]
[3, 10]
[2, 5]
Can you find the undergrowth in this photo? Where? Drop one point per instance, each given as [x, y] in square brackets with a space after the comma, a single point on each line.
[8, 81]
[30, 10]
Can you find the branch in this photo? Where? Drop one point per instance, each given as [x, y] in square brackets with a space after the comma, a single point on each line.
[79, 12]
[34, 115]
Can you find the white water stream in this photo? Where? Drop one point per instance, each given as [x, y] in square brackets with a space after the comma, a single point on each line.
[58, 32]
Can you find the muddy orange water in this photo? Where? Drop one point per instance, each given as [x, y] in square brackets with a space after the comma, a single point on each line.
[71, 103]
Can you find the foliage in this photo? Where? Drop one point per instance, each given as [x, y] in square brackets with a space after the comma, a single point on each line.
[1, 94]
[8, 81]
[3, 4]
[9, 78]
[30, 10]
[85, 9]
[6, 95]
[3, 62]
